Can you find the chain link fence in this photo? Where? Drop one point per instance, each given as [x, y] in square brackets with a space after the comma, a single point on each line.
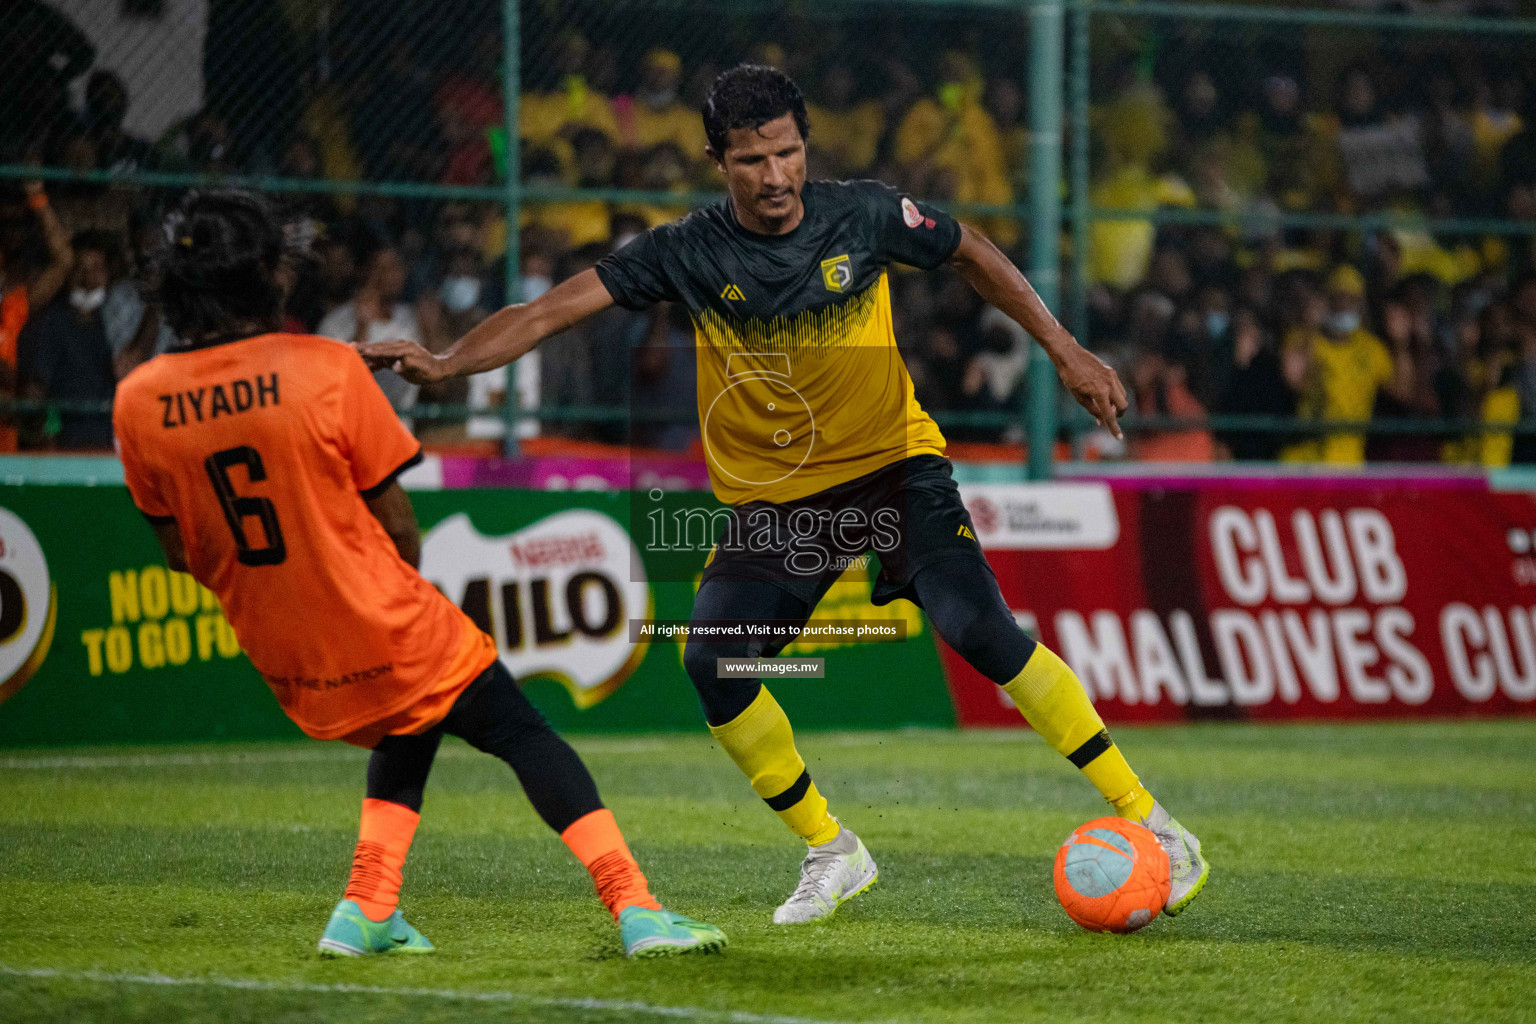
[1288, 222]
[1219, 165]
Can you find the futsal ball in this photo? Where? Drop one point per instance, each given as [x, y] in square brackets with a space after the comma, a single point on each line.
[1112, 875]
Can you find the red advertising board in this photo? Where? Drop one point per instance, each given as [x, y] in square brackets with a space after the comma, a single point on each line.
[1277, 599]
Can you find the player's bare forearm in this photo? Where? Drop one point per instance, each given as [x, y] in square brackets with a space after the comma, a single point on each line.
[500, 338]
[169, 535]
[1092, 382]
[394, 512]
[1002, 284]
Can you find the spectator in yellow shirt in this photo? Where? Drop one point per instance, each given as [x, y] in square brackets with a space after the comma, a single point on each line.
[845, 133]
[1005, 102]
[1494, 121]
[655, 115]
[575, 224]
[662, 168]
[1346, 366]
[572, 104]
[1133, 129]
[951, 136]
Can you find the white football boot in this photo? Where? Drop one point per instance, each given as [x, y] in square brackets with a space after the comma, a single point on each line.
[1187, 870]
[830, 875]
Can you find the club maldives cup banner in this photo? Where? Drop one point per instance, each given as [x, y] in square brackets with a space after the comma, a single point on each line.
[1347, 599]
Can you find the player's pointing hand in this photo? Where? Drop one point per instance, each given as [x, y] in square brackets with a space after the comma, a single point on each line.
[1095, 385]
[406, 358]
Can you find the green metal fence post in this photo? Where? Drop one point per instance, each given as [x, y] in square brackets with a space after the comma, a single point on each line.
[1045, 40]
[1079, 77]
[511, 86]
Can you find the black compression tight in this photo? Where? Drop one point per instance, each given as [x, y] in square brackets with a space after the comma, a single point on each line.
[492, 715]
[967, 610]
[959, 594]
[735, 600]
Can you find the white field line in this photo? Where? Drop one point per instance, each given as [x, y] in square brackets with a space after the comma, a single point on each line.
[318, 755]
[617, 1006]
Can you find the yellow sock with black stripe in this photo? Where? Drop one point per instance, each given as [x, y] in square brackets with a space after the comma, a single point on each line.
[1049, 694]
[762, 744]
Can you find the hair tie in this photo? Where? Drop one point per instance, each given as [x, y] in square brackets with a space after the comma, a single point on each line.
[186, 241]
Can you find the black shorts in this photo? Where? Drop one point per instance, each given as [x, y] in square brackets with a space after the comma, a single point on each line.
[907, 515]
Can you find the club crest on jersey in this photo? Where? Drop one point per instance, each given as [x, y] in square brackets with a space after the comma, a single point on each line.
[910, 213]
[732, 294]
[837, 273]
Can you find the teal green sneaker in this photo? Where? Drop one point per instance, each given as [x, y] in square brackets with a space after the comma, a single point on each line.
[648, 933]
[350, 933]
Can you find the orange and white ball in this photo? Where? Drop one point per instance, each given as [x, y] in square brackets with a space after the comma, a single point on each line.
[1112, 875]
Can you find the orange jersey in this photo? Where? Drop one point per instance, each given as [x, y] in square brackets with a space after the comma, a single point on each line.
[263, 452]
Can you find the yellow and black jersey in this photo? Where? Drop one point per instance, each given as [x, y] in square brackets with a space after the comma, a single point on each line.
[800, 384]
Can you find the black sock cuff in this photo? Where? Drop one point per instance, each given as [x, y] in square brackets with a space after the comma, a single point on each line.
[1084, 755]
[791, 796]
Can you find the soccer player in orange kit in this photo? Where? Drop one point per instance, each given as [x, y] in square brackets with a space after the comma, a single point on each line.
[267, 465]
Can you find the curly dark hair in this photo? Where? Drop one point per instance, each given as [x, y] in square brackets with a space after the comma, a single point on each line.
[218, 265]
[749, 96]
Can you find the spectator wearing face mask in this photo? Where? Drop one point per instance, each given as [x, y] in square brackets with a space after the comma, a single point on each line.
[461, 291]
[376, 312]
[1346, 366]
[64, 354]
[488, 390]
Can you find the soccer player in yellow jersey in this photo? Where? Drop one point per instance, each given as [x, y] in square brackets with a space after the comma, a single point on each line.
[814, 438]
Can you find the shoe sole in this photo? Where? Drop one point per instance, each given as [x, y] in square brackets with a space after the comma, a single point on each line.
[1176, 909]
[331, 948]
[662, 948]
[873, 878]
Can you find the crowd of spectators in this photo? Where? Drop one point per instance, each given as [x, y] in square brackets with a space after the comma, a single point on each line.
[1234, 316]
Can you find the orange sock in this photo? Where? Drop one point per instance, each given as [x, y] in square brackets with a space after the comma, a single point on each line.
[596, 841]
[382, 842]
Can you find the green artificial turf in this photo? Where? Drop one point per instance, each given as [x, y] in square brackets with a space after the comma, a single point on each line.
[1360, 873]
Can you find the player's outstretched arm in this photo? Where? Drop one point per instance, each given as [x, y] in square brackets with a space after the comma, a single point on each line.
[499, 339]
[1093, 383]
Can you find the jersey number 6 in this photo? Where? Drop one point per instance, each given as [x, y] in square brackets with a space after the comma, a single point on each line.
[237, 507]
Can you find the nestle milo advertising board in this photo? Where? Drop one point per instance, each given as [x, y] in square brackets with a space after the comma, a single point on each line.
[100, 643]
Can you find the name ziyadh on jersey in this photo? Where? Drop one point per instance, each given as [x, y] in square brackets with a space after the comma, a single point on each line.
[195, 406]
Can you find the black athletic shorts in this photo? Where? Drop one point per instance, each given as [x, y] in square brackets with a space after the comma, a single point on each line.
[907, 515]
